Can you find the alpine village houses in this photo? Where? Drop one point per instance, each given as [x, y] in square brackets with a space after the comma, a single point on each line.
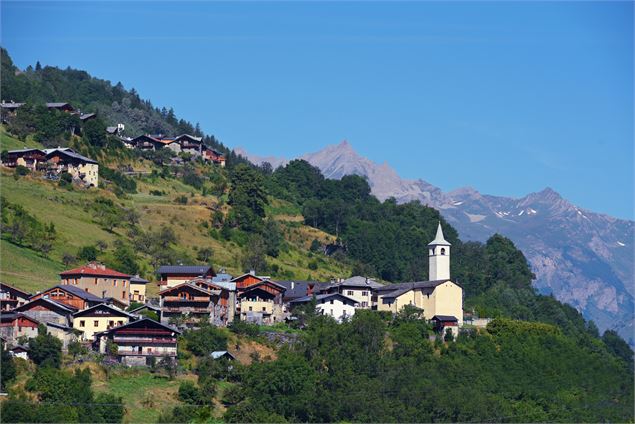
[90, 304]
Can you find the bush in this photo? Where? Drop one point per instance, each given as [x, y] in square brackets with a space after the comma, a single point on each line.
[22, 170]
[205, 340]
[242, 327]
[45, 349]
[181, 200]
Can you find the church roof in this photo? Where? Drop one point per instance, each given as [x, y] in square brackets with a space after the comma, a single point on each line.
[439, 239]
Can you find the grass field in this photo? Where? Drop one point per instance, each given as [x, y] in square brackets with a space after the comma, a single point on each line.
[76, 227]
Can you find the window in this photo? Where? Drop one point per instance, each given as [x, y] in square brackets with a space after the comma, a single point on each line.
[111, 323]
[123, 294]
[120, 322]
[364, 293]
[349, 293]
[250, 308]
[431, 252]
[332, 302]
[443, 250]
[364, 304]
[331, 312]
[114, 282]
[82, 323]
[96, 323]
[123, 283]
[264, 309]
[95, 281]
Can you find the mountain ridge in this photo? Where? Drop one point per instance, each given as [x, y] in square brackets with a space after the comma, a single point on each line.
[580, 256]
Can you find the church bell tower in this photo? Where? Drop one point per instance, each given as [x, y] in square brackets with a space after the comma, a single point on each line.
[439, 257]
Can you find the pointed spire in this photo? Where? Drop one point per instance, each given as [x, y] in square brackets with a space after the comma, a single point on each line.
[439, 239]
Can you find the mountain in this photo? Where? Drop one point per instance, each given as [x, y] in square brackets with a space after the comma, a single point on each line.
[583, 258]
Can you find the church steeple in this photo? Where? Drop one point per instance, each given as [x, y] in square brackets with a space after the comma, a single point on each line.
[439, 257]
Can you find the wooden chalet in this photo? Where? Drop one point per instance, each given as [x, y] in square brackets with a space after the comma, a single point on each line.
[14, 325]
[61, 106]
[441, 323]
[33, 159]
[190, 144]
[70, 295]
[261, 302]
[246, 280]
[140, 341]
[8, 109]
[45, 309]
[12, 297]
[195, 302]
[87, 116]
[173, 275]
[147, 142]
[213, 155]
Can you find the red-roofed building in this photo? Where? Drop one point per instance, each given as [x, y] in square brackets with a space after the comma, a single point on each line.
[96, 279]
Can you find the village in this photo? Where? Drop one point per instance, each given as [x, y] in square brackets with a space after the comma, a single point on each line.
[101, 307]
[54, 162]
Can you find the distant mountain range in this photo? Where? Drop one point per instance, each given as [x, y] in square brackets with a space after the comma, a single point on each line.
[581, 257]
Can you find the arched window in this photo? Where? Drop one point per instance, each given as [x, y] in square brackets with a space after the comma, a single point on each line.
[443, 250]
[431, 252]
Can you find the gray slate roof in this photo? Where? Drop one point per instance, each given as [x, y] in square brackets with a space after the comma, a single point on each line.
[70, 153]
[300, 288]
[80, 293]
[184, 269]
[306, 299]
[358, 281]
[138, 280]
[394, 290]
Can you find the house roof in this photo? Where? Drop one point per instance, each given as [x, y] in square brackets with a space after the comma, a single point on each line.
[183, 285]
[445, 318]
[76, 291]
[221, 277]
[357, 281]
[135, 279]
[146, 306]
[12, 316]
[70, 153]
[411, 285]
[300, 288]
[51, 303]
[139, 323]
[185, 270]
[26, 150]
[85, 116]
[261, 283]
[58, 104]
[19, 348]
[112, 309]
[191, 137]
[111, 130]
[248, 274]
[11, 105]
[60, 326]
[306, 299]
[95, 269]
[6, 286]
[220, 353]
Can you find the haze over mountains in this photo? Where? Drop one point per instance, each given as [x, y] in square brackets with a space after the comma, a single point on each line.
[583, 258]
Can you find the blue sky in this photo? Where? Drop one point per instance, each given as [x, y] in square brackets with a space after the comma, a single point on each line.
[507, 97]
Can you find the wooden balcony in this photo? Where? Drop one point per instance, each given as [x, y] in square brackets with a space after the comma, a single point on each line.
[187, 300]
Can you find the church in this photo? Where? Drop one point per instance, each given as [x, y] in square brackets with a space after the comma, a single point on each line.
[440, 298]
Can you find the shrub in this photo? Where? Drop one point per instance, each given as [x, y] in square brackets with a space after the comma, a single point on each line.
[22, 170]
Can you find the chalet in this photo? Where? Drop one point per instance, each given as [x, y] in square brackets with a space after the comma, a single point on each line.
[261, 302]
[190, 144]
[82, 169]
[222, 354]
[441, 323]
[335, 305]
[70, 295]
[212, 155]
[439, 296]
[138, 289]
[172, 275]
[100, 281]
[357, 288]
[12, 297]
[87, 116]
[146, 142]
[33, 159]
[195, 302]
[98, 318]
[140, 341]
[14, 325]
[248, 279]
[20, 351]
[8, 109]
[141, 311]
[45, 310]
[296, 289]
[61, 106]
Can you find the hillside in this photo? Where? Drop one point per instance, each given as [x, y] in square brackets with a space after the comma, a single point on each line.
[584, 258]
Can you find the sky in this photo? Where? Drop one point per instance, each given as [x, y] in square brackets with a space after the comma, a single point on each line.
[507, 97]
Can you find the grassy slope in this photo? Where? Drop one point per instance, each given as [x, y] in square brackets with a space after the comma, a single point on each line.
[76, 228]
